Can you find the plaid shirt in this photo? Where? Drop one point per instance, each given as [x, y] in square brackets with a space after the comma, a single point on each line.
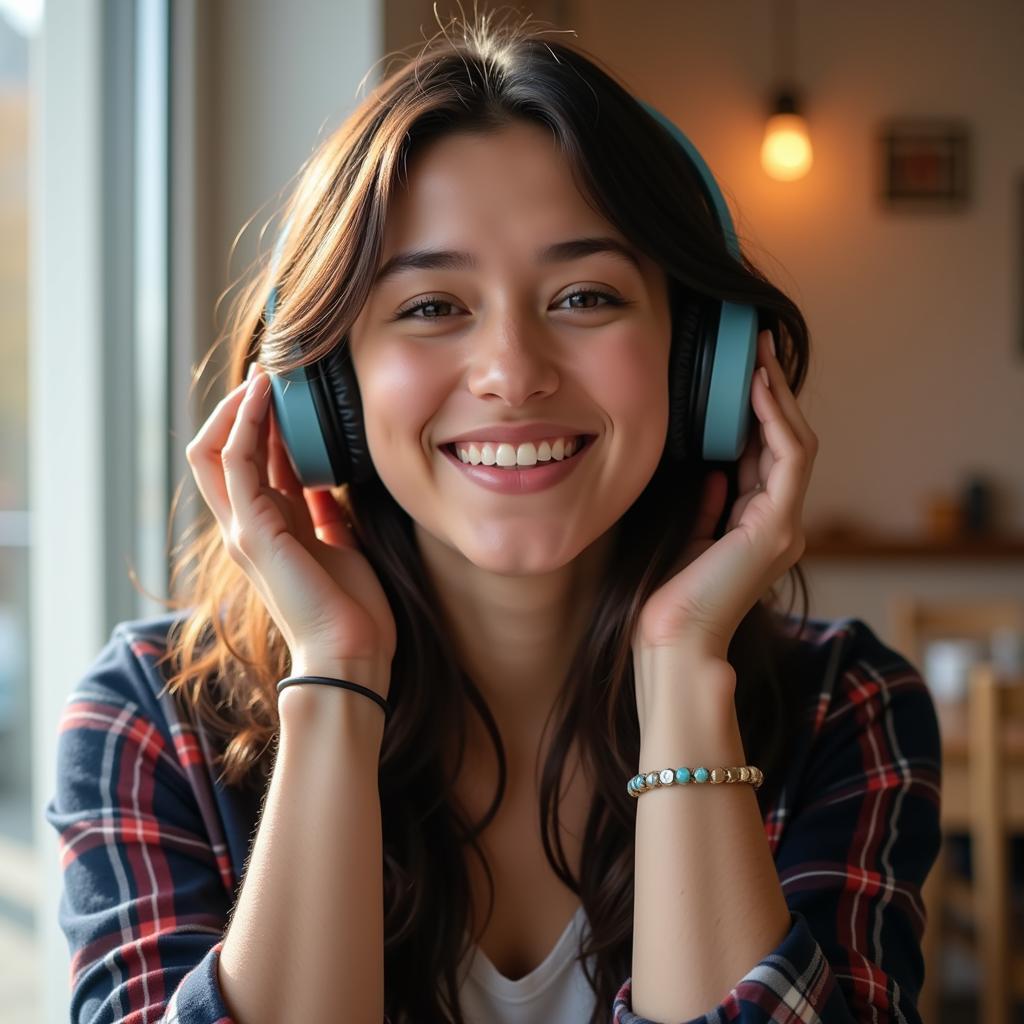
[152, 848]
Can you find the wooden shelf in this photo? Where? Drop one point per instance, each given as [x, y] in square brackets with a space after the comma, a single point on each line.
[963, 549]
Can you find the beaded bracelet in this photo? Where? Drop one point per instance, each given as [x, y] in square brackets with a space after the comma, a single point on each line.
[645, 781]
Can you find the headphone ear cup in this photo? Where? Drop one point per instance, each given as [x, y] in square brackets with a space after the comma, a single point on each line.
[683, 435]
[353, 454]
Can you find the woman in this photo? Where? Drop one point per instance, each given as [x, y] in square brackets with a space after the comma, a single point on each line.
[534, 649]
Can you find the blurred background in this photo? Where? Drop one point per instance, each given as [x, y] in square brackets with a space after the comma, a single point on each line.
[873, 158]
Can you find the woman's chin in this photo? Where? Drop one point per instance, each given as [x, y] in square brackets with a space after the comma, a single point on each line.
[518, 558]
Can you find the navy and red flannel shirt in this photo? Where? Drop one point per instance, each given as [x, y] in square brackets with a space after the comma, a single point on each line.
[152, 848]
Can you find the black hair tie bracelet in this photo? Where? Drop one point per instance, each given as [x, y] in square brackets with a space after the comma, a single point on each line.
[344, 683]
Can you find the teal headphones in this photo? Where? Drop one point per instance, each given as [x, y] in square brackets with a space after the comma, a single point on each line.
[319, 412]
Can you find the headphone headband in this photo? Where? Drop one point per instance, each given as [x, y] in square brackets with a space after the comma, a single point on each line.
[711, 188]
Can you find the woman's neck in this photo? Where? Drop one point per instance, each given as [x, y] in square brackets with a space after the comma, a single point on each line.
[515, 636]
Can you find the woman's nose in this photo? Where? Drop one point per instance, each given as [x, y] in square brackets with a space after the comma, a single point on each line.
[513, 360]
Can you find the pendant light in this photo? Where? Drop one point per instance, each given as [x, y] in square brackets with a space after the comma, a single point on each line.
[786, 153]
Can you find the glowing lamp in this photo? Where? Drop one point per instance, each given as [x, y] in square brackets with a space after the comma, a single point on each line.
[786, 153]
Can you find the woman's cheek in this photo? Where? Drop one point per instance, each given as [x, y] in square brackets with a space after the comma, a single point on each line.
[398, 396]
[630, 382]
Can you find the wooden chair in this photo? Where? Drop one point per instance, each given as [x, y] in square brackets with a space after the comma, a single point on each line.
[913, 622]
[995, 733]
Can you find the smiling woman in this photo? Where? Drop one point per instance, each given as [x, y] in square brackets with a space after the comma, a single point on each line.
[505, 290]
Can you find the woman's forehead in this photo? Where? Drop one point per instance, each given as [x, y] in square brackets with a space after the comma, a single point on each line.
[481, 180]
[472, 199]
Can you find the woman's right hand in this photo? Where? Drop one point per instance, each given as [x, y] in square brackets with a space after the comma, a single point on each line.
[292, 542]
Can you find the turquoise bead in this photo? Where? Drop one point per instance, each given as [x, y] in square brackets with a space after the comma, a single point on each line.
[682, 776]
[701, 775]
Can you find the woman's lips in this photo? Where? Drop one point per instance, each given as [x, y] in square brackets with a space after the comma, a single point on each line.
[527, 480]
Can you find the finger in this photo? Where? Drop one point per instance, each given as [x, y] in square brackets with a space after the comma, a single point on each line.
[262, 448]
[748, 470]
[318, 519]
[789, 471]
[752, 470]
[204, 454]
[330, 521]
[281, 474]
[241, 473]
[784, 395]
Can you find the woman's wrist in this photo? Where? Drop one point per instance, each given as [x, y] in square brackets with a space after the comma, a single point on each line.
[682, 743]
[300, 704]
[356, 670]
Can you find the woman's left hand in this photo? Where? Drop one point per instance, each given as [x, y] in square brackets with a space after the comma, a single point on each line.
[699, 609]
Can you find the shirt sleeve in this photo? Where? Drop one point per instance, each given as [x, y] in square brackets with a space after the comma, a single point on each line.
[861, 835]
[143, 904]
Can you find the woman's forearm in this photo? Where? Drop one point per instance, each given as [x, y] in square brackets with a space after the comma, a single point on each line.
[305, 941]
[708, 903]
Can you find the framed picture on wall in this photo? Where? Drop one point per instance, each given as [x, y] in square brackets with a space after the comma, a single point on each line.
[924, 164]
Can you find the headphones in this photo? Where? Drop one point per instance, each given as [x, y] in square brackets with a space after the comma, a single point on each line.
[319, 411]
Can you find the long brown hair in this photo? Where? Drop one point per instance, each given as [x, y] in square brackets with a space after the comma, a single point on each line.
[224, 652]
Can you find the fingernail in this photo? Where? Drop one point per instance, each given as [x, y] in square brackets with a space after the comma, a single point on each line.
[771, 341]
[764, 377]
[252, 369]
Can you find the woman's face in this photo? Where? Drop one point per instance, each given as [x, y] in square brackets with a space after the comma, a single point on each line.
[503, 342]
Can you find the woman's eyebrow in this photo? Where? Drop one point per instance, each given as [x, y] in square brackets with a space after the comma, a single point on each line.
[560, 252]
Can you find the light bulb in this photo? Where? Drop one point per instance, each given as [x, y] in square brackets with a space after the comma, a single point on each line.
[786, 150]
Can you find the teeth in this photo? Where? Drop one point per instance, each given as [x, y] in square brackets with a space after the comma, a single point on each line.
[526, 454]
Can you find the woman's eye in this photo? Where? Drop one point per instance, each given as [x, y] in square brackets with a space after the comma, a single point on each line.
[611, 299]
[436, 301]
[423, 303]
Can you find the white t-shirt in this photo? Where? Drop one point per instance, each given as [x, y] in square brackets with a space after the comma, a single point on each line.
[555, 990]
